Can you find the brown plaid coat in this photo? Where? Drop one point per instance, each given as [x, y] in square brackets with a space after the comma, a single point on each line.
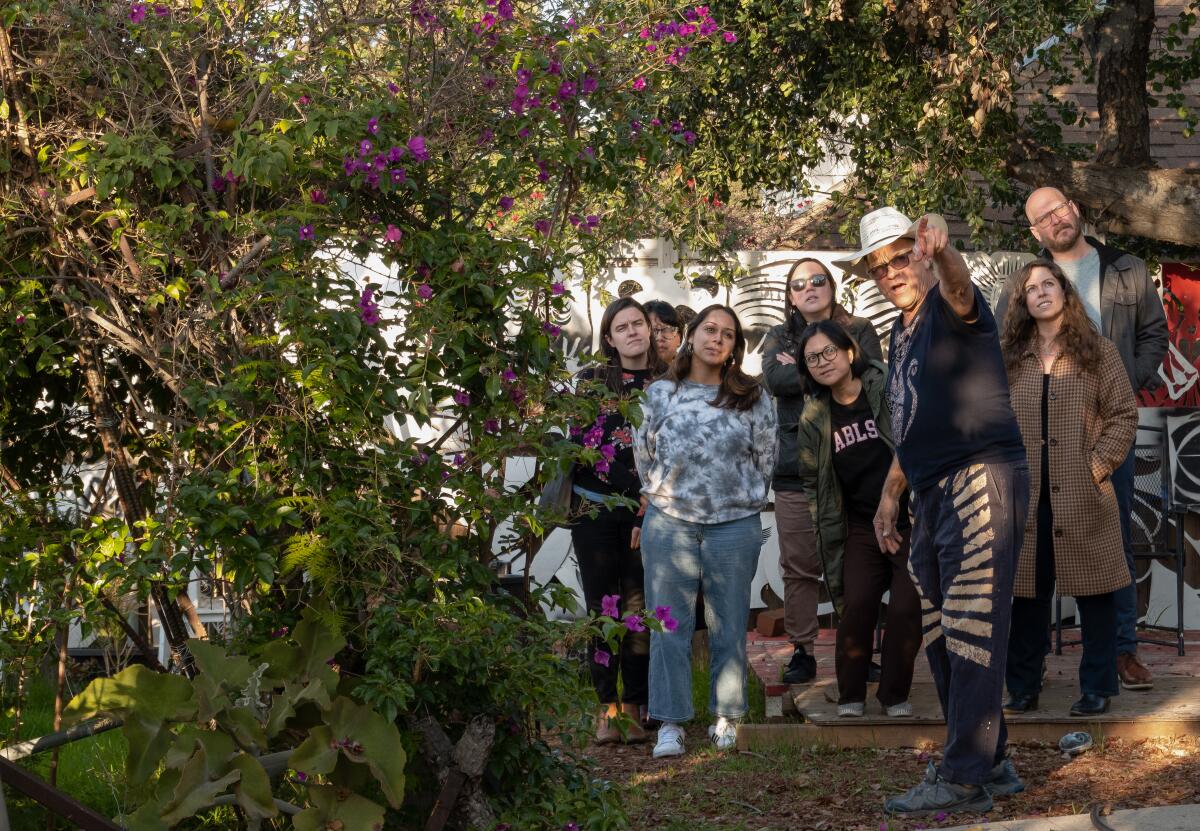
[1092, 425]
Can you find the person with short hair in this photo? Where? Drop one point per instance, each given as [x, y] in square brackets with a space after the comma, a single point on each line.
[810, 295]
[1119, 295]
[959, 450]
[1079, 418]
[705, 451]
[666, 326]
[606, 538]
[845, 453]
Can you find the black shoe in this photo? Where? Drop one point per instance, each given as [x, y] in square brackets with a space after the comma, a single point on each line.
[1090, 705]
[801, 669]
[1021, 704]
[874, 673]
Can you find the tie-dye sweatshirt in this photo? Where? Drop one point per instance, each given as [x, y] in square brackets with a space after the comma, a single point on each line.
[701, 463]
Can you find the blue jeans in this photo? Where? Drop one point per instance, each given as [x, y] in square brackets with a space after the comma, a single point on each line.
[1126, 598]
[679, 558]
[967, 530]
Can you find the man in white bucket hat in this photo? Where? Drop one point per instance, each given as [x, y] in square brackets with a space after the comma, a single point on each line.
[959, 450]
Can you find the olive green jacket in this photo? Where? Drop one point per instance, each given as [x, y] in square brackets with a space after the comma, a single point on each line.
[821, 483]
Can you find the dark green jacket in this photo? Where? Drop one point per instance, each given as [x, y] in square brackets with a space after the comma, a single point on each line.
[821, 484]
[785, 383]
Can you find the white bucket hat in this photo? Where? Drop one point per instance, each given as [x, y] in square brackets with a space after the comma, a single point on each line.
[877, 229]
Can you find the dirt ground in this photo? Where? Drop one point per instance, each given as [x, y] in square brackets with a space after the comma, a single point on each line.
[843, 790]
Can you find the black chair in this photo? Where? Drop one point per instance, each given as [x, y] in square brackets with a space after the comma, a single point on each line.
[1157, 531]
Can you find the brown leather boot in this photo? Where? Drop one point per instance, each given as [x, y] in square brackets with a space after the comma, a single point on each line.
[634, 733]
[1133, 673]
[606, 730]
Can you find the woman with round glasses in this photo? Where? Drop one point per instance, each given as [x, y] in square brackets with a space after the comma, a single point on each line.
[846, 450]
[809, 296]
[666, 327]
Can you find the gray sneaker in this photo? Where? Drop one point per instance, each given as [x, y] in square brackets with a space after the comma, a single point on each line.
[1003, 780]
[939, 796]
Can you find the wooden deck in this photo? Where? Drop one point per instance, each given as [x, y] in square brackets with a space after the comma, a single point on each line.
[807, 713]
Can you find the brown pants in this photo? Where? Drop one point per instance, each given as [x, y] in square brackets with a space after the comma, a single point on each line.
[867, 574]
[800, 565]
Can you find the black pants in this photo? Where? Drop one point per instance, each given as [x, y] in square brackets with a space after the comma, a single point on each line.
[1029, 637]
[607, 565]
[867, 574]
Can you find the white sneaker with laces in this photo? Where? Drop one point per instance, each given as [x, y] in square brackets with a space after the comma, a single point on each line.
[901, 710]
[723, 734]
[854, 709]
[670, 741]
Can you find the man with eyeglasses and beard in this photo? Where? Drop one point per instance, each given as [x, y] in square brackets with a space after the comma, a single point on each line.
[959, 451]
[1121, 299]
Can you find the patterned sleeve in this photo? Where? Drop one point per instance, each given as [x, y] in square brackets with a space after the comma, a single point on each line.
[643, 437]
[765, 436]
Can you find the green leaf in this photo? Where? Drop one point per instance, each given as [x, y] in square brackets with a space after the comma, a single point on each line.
[368, 737]
[154, 696]
[253, 790]
[317, 753]
[354, 813]
[148, 741]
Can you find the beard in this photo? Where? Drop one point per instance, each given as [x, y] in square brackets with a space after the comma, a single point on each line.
[1057, 245]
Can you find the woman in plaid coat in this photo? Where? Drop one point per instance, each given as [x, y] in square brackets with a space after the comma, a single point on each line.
[1078, 417]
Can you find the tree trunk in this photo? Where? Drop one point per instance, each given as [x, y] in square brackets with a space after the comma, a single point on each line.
[1122, 54]
[1156, 204]
[106, 422]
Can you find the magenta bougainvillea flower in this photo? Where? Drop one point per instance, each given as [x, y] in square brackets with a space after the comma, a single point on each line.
[601, 657]
[424, 291]
[610, 605]
[393, 234]
[463, 399]
[137, 12]
[557, 288]
[306, 232]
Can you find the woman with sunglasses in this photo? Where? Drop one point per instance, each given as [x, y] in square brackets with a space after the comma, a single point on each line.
[809, 296]
[846, 450]
[705, 451]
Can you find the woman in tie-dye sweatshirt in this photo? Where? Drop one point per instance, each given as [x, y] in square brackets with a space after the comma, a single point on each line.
[705, 453]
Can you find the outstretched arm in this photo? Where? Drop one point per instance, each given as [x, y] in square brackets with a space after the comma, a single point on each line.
[954, 278]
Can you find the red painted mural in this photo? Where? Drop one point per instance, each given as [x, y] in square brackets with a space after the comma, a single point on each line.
[1180, 371]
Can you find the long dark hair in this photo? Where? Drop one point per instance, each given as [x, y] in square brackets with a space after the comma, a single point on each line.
[612, 377]
[840, 338]
[665, 312]
[1078, 336]
[738, 391]
[795, 320]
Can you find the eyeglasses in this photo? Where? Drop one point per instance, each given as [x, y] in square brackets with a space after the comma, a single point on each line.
[1061, 211]
[896, 263]
[801, 283]
[814, 358]
[663, 331]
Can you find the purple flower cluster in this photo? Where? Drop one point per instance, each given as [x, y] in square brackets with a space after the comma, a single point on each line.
[595, 433]
[368, 309]
[585, 225]
[699, 24]
[663, 615]
[219, 183]
[424, 16]
[462, 399]
[373, 166]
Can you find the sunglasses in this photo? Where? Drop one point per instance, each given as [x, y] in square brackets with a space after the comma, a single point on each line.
[896, 263]
[801, 283]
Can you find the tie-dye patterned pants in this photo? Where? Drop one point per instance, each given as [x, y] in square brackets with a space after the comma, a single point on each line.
[967, 531]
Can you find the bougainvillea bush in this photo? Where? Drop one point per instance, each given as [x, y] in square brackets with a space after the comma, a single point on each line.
[180, 182]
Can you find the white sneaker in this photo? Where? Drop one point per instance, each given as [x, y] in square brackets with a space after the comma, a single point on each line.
[901, 710]
[670, 741]
[854, 709]
[723, 734]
